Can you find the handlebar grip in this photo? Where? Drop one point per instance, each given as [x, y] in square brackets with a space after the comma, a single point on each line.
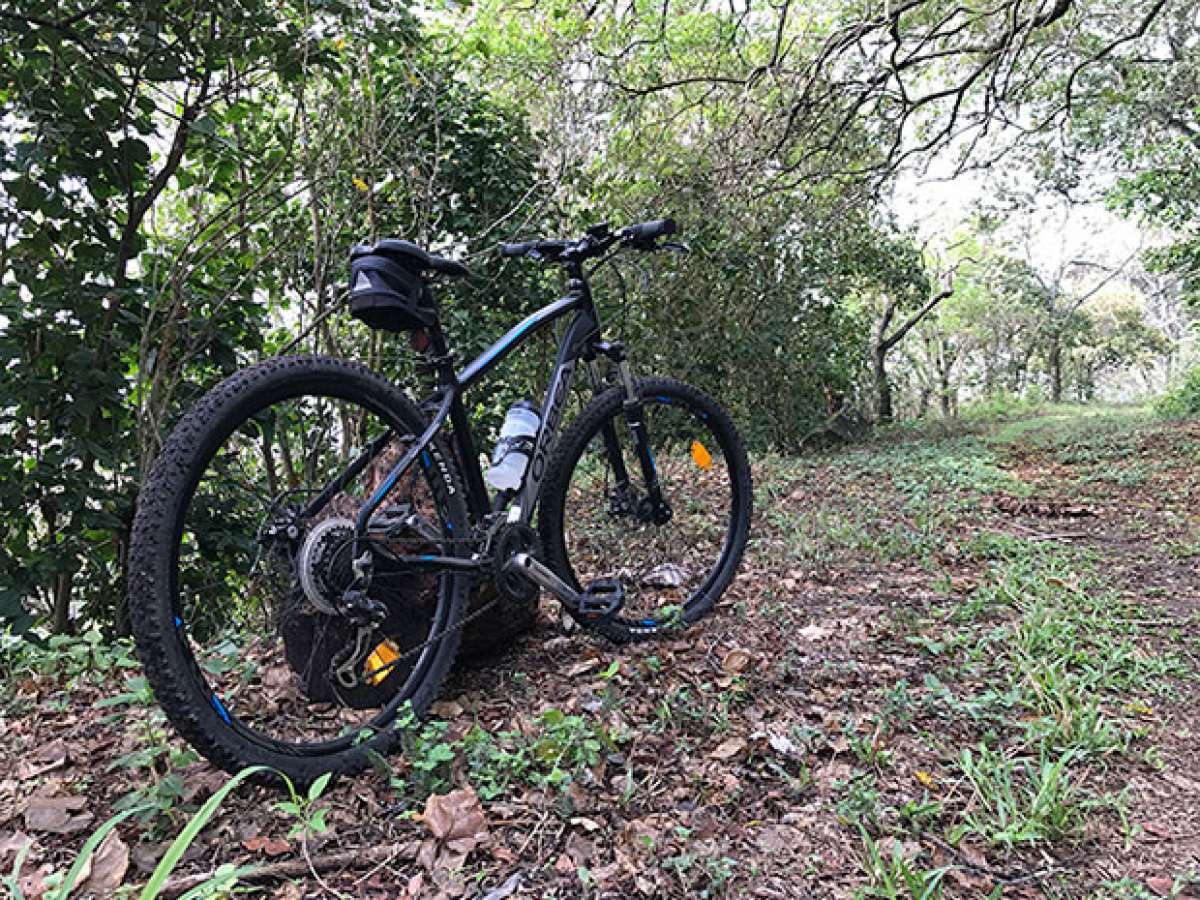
[521, 249]
[648, 231]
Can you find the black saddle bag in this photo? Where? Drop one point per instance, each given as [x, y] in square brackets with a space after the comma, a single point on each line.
[389, 296]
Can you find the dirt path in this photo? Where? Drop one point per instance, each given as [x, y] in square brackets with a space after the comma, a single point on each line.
[949, 668]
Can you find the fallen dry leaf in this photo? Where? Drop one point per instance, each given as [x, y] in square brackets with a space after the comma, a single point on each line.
[11, 843]
[201, 780]
[580, 849]
[729, 748]
[814, 632]
[260, 843]
[32, 882]
[46, 759]
[781, 743]
[446, 709]
[775, 839]
[109, 865]
[581, 667]
[58, 815]
[667, 575]
[456, 820]
[1160, 885]
[736, 661]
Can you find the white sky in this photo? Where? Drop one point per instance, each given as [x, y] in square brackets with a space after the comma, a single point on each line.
[937, 207]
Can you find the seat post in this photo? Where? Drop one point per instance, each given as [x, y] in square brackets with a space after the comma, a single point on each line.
[443, 361]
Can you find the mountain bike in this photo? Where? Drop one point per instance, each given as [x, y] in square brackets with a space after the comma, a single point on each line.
[307, 538]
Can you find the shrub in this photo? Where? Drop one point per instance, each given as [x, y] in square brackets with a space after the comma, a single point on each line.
[1184, 400]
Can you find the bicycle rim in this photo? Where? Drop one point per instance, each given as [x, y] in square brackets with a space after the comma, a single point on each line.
[667, 570]
[258, 612]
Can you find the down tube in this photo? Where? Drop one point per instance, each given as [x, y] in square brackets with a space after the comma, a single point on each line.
[579, 333]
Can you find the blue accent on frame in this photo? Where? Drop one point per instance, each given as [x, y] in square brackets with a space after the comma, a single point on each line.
[649, 623]
[663, 399]
[221, 710]
[425, 460]
[178, 622]
[502, 345]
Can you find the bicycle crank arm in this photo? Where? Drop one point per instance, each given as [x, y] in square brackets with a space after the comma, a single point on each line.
[602, 599]
[526, 565]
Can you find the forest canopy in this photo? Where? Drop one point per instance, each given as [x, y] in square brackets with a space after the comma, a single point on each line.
[180, 183]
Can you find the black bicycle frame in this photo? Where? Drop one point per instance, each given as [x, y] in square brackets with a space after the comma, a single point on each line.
[578, 342]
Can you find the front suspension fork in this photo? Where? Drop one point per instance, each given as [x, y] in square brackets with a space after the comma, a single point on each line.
[655, 507]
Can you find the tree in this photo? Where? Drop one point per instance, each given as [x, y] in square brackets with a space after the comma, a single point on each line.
[91, 91]
[170, 211]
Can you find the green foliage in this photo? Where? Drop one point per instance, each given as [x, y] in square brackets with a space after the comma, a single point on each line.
[427, 754]
[1020, 801]
[150, 248]
[223, 879]
[1184, 400]
[562, 747]
[180, 183]
[895, 877]
[189, 833]
[85, 855]
[310, 818]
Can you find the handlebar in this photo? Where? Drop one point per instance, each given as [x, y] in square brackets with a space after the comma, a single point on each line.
[546, 249]
[648, 231]
[598, 240]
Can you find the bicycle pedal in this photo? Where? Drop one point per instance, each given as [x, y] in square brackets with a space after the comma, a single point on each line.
[602, 599]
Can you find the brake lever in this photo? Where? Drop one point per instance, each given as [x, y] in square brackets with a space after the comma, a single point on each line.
[675, 247]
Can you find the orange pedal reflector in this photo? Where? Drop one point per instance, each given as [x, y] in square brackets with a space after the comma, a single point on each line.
[701, 456]
[385, 653]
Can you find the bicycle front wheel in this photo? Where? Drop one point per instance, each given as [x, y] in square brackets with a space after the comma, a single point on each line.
[241, 554]
[596, 520]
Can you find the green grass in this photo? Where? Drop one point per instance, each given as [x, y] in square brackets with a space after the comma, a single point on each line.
[1039, 679]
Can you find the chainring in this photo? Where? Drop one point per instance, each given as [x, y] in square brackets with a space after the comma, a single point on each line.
[510, 539]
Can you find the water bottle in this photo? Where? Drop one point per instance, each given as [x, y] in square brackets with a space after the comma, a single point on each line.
[515, 447]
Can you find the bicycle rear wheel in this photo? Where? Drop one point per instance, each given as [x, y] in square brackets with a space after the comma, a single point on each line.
[233, 593]
[591, 527]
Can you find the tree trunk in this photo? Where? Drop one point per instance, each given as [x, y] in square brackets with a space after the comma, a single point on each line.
[946, 358]
[923, 401]
[60, 620]
[883, 388]
[1054, 361]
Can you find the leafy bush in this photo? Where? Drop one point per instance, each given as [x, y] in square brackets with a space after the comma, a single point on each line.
[1003, 406]
[1184, 400]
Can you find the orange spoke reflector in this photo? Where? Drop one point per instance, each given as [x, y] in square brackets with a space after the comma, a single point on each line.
[385, 653]
[700, 456]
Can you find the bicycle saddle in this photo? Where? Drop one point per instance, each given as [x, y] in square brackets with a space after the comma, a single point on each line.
[410, 256]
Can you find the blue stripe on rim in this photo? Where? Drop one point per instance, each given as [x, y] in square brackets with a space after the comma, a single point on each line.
[221, 710]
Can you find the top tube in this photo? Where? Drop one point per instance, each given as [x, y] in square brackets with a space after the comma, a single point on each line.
[513, 337]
